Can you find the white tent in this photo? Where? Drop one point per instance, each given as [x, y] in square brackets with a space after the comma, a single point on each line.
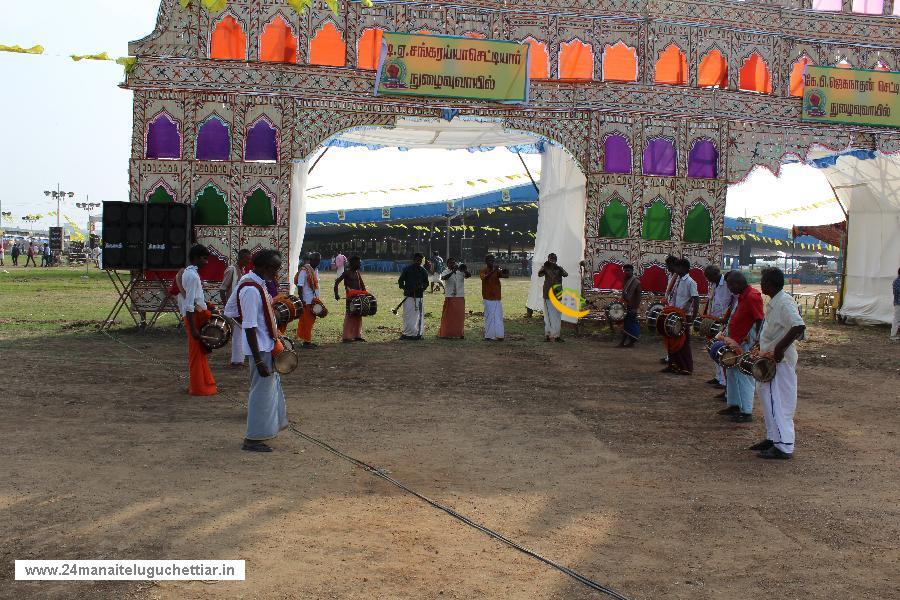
[562, 183]
[867, 183]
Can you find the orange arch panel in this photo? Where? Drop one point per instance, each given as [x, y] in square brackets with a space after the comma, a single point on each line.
[475, 35]
[619, 63]
[369, 49]
[228, 41]
[538, 60]
[713, 71]
[755, 76]
[671, 68]
[278, 43]
[576, 60]
[327, 48]
[797, 75]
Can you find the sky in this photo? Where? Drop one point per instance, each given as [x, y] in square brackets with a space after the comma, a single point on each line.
[69, 123]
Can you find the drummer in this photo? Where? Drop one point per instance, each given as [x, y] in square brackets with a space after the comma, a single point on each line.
[193, 307]
[266, 410]
[741, 333]
[718, 299]
[307, 281]
[353, 286]
[631, 293]
[686, 297]
[229, 283]
[783, 327]
[453, 315]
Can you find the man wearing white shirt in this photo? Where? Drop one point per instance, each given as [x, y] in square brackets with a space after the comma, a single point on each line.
[251, 304]
[718, 299]
[307, 281]
[453, 316]
[229, 283]
[686, 297]
[192, 306]
[781, 329]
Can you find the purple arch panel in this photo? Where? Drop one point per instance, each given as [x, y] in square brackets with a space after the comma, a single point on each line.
[703, 160]
[261, 143]
[659, 158]
[163, 140]
[213, 141]
[616, 154]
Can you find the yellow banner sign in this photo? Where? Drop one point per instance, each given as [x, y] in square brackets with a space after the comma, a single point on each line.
[853, 96]
[443, 66]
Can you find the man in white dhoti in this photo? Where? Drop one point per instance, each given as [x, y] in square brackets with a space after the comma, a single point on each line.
[553, 276]
[230, 279]
[781, 329]
[413, 281]
[491, 293]
[718, 299]
[251, 304]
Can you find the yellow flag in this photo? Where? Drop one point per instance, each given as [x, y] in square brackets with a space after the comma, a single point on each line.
[36, 49]
[99, 56]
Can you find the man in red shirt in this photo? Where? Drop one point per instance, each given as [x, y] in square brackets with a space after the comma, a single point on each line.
[741, 333]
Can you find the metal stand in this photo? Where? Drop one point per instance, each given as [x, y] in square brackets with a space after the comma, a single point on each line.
[123, 301]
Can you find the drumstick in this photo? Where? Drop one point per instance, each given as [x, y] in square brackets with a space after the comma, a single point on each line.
[396, 308]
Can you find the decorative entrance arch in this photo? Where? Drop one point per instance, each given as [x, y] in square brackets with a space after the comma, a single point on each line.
[306, 104]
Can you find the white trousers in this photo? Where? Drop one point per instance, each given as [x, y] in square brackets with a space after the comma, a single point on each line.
[552, 319]
[779, 401]
[720, 374]
[896, 326]
[493, 319]
[413, 317]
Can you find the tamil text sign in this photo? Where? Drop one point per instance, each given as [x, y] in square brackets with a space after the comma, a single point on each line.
[452, 67]
[832, 95]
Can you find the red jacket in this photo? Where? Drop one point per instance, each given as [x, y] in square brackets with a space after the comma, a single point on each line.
[749, 310]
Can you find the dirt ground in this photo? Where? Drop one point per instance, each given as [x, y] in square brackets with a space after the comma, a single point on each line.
[579, 451]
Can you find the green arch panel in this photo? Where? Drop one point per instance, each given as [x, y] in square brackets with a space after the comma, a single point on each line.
[657, 222]
[258, 210]
[698, 225]
[614, 221]
[211, 208]
[161, 196]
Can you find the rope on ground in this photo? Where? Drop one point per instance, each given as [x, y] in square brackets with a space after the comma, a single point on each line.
[381, 474]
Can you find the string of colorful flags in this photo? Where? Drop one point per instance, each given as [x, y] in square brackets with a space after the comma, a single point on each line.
[740, 237]
[127, 62]
[796, 209]
[419, 188]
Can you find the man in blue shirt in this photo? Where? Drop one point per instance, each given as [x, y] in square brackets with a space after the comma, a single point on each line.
[896, 324]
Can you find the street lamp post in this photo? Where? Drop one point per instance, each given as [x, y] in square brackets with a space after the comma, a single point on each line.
[87, 207]
[58, 195]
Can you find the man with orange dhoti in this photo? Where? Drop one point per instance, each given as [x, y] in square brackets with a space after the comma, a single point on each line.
[193, 307]
[453, 317]
[307, 281]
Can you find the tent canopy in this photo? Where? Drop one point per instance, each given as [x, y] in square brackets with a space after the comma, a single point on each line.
[867, 183]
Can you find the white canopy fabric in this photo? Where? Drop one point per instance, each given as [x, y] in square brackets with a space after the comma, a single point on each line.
[447, 135]
[560, 229]
[868, 185]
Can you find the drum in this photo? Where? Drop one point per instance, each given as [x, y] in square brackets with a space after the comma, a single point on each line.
[760, 368]
[615, 311]
[216, 332]
[318, 310]
[653, 314]
[286, 308]
[713, 347]
[673, 326]
[363, 305]
[286, 361]
[727, 358]
[707, 326]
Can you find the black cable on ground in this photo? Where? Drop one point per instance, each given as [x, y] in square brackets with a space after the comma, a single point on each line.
[384, 476]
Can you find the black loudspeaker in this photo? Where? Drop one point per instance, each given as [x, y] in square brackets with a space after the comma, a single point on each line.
[167, 236]
[745, 258]
[123, 235]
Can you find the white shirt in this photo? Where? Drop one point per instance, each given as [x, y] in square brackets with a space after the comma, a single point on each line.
[719, 298]
[253, 312]
[193, 295]
[455, 285]
[782, 315]
[307, 293]
[684, 290]
[229, 279]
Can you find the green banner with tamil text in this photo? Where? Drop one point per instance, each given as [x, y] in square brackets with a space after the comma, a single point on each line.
[852, 96]
[413, 64]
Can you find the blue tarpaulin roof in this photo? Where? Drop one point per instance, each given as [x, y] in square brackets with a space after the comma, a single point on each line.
[520, 194]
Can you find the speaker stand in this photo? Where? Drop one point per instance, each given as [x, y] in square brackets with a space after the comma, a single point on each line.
[124, 300]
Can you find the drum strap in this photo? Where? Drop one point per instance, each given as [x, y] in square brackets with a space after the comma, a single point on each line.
[267, 304]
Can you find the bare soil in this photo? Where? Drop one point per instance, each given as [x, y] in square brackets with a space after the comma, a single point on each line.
[579, 451]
